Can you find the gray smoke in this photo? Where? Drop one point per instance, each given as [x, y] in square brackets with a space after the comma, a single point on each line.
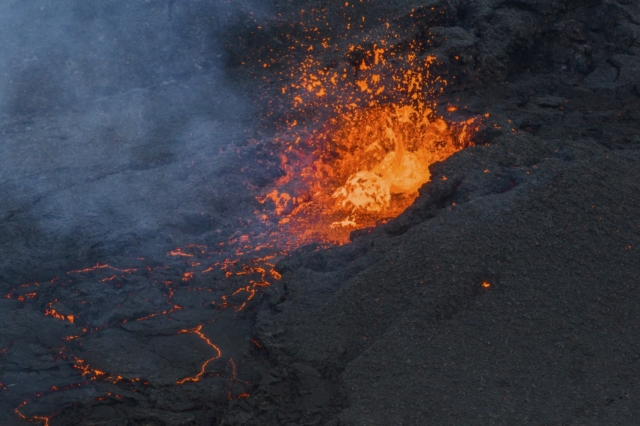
[117, 120]
[59, 53]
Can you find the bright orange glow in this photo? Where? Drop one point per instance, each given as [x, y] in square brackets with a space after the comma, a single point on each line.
[486, 284]
[366, 158]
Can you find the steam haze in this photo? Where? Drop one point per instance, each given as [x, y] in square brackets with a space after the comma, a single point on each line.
[117, 121]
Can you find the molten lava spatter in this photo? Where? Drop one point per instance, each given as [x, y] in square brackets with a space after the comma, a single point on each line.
[364, 160]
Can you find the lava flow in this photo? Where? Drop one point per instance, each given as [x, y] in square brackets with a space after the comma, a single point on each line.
[365, 162]
[357, 146]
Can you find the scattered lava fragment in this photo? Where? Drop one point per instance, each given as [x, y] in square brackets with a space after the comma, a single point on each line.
[23, 292]
[57, 315]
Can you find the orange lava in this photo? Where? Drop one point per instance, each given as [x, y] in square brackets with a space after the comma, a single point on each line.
[364, 161]
[197, 377]
[57, 315]
[23, 292]
[44, 420]
[256, 273]
[175, 308]
[179, 252]
[86, 370]
[99, 266]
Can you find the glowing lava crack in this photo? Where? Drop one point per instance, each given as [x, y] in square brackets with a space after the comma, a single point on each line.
[197, 377]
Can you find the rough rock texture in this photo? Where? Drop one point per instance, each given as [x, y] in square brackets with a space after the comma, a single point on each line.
[397, 328]
[394, 328]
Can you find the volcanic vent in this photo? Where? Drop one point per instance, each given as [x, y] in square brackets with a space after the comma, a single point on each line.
[367, 150]
[148, 332]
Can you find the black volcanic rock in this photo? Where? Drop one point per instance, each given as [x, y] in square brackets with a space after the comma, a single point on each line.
[506, 294]
[400, 330]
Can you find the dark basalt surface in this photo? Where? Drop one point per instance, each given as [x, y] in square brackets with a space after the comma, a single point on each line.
[394, 328]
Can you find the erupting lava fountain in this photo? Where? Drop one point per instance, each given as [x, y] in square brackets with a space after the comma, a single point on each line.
[363, 158]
